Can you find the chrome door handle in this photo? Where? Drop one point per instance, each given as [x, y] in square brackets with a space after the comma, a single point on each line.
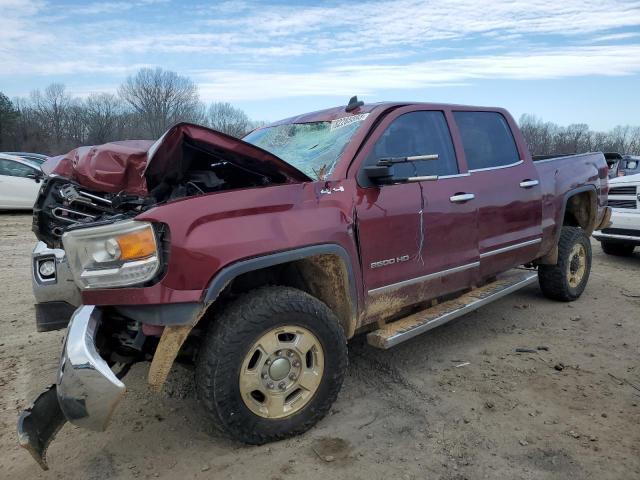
[461, 197]
[529, 183]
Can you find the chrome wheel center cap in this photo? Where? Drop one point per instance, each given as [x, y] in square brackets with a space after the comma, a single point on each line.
[279, 369]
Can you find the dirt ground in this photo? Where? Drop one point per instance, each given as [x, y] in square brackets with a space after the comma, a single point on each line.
[455, 403]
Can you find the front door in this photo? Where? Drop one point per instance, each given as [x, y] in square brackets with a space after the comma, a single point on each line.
[417, 240]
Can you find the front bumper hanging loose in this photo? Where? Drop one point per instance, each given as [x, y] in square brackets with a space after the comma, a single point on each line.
[86, 392]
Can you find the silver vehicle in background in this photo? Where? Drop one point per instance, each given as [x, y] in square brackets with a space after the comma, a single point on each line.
[623, 235]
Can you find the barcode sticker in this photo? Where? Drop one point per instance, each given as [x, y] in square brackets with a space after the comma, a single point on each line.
[346, 121]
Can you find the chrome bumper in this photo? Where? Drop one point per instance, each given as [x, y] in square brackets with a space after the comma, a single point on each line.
[56, 295]
[58, 287]
[86, 389]
[617, 238]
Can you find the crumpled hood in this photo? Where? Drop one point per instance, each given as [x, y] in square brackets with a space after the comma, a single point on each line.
[137, 166]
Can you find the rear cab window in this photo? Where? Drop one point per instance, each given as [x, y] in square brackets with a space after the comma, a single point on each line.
[487, 140]
[412, 134]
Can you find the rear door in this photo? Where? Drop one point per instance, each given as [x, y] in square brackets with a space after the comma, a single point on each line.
[507, 190]
[417, 240]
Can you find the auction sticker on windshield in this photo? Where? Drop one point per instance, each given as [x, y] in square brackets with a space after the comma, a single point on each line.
[345, 121]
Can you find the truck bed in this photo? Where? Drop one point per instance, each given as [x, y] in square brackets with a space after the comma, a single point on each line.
[562, 174]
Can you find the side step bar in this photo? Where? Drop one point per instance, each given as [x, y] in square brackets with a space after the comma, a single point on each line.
[402, 330]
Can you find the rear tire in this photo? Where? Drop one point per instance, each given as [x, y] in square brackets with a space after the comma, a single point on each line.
[618, 249]
[566, 280]
[271, 365]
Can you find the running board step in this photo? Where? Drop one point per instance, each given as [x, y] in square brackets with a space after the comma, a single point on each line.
[402, 330]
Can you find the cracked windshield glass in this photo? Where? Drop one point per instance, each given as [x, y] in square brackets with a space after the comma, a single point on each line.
[313, 148]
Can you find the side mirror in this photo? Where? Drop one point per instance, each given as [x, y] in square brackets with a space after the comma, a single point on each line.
[37, 177]
[384, 171]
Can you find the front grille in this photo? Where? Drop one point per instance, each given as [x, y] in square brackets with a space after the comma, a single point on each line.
[622, 203]
[628, 190]
[62, 204]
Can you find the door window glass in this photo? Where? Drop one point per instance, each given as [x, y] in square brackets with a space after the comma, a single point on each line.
[417, 133]
[15, 169]
[487, 139]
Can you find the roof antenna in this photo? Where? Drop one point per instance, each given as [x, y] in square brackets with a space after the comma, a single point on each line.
[353, 104]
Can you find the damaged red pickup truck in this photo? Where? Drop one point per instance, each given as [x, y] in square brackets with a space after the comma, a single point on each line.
[257, 259]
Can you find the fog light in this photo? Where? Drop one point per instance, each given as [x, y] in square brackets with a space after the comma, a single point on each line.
[47, 268]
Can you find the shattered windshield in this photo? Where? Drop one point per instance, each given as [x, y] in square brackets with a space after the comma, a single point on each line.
[313, 148]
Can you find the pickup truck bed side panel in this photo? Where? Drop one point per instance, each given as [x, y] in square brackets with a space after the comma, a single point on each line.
[562, 177]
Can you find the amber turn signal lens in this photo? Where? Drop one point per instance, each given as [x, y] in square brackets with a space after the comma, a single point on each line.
[140, 244]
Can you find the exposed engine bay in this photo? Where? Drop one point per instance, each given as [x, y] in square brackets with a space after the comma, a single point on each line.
[65, 204]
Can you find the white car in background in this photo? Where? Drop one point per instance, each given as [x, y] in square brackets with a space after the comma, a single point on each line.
[20, 182]
[623, 235]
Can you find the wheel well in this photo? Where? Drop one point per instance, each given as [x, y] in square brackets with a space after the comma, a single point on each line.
[324, 276]
[581, 211]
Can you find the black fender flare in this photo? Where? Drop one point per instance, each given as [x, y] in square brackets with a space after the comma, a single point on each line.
[565, 201]
[174, 335]
[230, 272]
[551, 257]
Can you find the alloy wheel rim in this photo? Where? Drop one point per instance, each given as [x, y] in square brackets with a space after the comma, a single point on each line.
[281, 372]
[577, 265]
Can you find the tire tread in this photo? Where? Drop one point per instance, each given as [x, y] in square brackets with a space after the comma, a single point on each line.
[552, 278]
[233, 329]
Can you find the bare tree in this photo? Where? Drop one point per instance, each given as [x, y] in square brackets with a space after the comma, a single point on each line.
[539, 135]
[225, 118]
[634, 143]
[161, 98]
[75, 126]
[29, 134]
[52, 108]
[103, 118]
[572, 139]
[545, 138]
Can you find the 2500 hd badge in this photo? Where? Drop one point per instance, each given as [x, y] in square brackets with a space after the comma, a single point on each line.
[389, 261]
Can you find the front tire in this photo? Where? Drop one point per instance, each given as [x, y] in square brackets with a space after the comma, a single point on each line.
[271, 365]
[618, 249]
[566, 280]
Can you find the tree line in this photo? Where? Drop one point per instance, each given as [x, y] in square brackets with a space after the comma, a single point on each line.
[546, 138]
[146, 104]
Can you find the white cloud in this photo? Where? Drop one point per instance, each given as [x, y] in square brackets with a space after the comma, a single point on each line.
[615, 37]
[274, 51]
[234, 85]
[98, 8]
[376, 24]
[16, 24]
[101, 7]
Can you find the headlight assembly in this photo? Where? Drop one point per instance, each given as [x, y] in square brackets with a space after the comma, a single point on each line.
[121, 254]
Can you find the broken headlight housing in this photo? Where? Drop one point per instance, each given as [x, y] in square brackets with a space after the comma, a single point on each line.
[121, 254]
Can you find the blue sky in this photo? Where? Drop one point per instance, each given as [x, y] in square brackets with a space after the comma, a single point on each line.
[566, 61]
